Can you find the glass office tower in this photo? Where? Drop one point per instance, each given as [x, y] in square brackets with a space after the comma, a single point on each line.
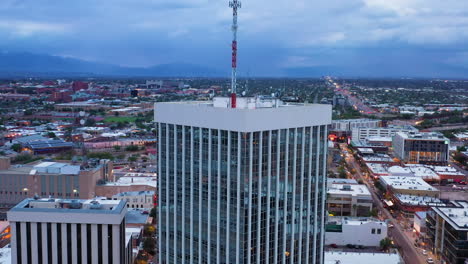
[243, 185]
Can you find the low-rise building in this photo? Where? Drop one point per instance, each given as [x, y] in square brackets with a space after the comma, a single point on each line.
[350, 124]
[447, 229]
[421, 148]
[137, 199]
[349, 200]
[338, 257]
[69, 231]
[367, 232]
[54, 179]
[411, 194]
[409, 185]
[363, 133]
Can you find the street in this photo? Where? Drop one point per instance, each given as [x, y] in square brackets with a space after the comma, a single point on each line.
[410, 254]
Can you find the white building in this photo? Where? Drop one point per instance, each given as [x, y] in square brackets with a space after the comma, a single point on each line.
[68, 231]
[350, 124]
[366, 232]
[337, 257]
[224, 173]
[349, 200]
[362, 133]
[5, 255]
[140, 199]
[409, 185]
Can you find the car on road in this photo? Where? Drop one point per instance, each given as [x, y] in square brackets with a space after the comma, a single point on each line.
[390, 225]
[430, 261]
[424, 252]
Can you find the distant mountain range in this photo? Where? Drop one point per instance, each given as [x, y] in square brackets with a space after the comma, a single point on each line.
[39, 65]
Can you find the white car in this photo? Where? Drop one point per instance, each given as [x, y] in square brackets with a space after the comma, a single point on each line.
[424, 252]
[430, 261]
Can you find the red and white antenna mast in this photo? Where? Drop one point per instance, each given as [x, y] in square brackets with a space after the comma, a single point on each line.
[234, 4]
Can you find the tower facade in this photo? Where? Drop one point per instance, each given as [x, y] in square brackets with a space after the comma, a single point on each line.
[241, 185]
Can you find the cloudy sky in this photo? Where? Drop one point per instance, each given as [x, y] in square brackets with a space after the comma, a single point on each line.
[378, 37]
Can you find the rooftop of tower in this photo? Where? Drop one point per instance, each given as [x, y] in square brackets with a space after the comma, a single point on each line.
[251, 114]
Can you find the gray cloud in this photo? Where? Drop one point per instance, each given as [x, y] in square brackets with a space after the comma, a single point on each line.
[273, 34]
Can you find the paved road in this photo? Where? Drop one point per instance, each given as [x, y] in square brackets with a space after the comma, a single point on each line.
[409, 253]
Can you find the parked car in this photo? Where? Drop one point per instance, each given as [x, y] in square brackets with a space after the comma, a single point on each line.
[430, 261]
[424, 252]
[333, 245]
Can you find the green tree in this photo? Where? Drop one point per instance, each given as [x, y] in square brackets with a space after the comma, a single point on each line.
[117, 148]
[16, 147]
[149, 245]
[459, 157]
[132, 159]
[51, 135]
[342, 172]
[385, 243]
[132, 148]
[100, 155]
[90, 122]
[374, 212]
[153, 212]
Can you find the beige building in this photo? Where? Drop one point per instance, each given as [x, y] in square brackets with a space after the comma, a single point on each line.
[349, 200]
[54, 179]
[138, 199]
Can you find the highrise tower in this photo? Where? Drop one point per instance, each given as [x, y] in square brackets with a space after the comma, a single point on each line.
[241, 185]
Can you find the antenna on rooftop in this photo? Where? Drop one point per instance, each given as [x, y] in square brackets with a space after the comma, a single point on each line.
[234, 4]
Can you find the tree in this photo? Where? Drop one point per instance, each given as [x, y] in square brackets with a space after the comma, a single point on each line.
[132, 148]
[374, 212]
[149, 230]
[100, 155]
[385, 243]
[90, 122]
[462, 159]
[28, 112]
[51, 135]
[132, 159]
[16, 147]
[342, 172]
[153, 212]
[117, 148]
[149, 245]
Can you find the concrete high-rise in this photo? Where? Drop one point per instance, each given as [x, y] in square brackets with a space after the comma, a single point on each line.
[241, 185]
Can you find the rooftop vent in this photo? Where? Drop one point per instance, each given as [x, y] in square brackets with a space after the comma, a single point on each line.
[95, 205]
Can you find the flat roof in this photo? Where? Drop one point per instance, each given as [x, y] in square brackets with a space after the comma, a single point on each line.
[334, 257]
[358, 120]
[377, 168]
[379, 158]
[457, 215]
[205, 115]
[416, 200]
[423, 136]
[135, 193]
[407, 183]
[342, 181]
[101, 206]
[136, 217]
[346, 220]
[348, 189]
